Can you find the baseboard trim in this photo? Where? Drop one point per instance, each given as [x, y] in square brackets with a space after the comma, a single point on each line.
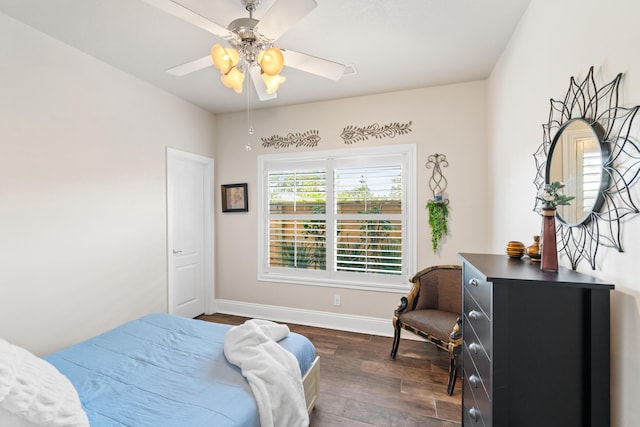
[319, 319]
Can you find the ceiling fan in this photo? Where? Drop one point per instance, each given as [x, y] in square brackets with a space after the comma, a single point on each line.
[252, 46]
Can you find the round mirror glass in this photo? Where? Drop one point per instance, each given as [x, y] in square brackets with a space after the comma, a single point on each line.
[575, 159]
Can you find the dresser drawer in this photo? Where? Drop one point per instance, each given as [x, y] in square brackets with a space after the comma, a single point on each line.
[478, 386]
[472, 414]
[478, 320]
[477, 285]
[475, 352]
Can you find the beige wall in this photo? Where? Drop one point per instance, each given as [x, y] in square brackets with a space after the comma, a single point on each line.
[82, 190]
[554, 41]
[449, 120]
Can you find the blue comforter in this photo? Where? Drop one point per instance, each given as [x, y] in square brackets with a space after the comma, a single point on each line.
[163, 371]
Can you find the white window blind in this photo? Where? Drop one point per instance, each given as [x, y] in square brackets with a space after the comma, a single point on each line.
[368, 203]
[297, 204]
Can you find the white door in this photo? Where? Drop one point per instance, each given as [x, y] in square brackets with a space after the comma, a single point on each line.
[190, 233]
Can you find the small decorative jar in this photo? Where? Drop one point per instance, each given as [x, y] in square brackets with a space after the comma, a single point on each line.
[515, 249]
[533, 250]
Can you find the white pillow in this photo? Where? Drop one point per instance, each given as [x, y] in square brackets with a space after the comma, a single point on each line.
[34, 393]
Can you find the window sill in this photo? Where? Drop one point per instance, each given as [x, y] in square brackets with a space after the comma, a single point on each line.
[400, 286]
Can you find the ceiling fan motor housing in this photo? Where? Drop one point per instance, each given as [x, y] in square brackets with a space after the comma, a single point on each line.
[246, 39]
[243, 28]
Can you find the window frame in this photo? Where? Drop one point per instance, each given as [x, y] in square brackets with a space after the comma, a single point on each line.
[366, 156]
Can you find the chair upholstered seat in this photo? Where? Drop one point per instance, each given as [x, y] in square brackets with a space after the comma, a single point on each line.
[437, 323]
[432, 310]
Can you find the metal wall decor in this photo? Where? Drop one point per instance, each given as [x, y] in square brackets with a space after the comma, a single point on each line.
[437, 181]
[309, 139]
[352, 134]
[617, 165]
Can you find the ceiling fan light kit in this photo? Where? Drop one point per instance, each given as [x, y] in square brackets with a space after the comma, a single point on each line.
[250, 49]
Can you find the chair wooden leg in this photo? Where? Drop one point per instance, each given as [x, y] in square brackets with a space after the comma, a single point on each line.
[453, 375]
[454, 365]
[396, 340]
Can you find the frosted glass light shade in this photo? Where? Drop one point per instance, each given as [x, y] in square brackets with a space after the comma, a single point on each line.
[224, 59]
[272, 82]
[233, 79]
[271, 61]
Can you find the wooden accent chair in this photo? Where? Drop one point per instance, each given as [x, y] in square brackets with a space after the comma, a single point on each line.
[433, 310]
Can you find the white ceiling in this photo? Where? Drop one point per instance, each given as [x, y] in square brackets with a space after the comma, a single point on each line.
[393, 44]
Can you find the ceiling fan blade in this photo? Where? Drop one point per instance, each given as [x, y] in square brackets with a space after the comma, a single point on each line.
[188, 15]
[261, 88]
[313, 64]
[191, 66]
[283, 15]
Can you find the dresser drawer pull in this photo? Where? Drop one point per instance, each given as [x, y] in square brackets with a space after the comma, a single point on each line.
[474, 347]
[474, 414]
[473, 282]
[474, 380]
[474, 315]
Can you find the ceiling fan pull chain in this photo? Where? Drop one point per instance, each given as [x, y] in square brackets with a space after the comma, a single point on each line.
[250, 130]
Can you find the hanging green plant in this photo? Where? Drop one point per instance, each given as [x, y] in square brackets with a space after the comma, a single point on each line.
[438, 216]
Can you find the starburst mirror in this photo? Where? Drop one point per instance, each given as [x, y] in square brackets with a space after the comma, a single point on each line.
[587, 145]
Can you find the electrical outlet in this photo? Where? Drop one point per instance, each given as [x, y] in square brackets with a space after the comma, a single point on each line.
[336, 300]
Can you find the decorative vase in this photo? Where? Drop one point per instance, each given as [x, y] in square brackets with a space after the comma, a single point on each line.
[549, 259]
[533, 250]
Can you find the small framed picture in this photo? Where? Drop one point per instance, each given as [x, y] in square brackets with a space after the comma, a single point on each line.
[234, 198]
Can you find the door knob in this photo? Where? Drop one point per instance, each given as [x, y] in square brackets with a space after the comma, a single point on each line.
[175, 252]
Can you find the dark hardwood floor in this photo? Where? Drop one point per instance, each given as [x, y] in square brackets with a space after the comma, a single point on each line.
[360, 385]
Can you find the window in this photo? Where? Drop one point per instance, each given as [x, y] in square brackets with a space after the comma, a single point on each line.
[338, 218]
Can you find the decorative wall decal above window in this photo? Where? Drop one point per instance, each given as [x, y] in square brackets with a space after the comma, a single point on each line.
[587, 146]
[352, 134]
[309, 139]
[438, 207]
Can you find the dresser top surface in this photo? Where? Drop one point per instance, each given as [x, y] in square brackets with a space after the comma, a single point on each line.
[501, 267]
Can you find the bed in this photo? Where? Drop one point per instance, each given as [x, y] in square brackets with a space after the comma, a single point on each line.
[163, 370]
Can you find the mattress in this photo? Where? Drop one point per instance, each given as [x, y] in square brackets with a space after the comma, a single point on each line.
[163, 370]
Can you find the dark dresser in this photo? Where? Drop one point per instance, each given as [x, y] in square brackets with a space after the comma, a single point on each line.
[536, 345]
